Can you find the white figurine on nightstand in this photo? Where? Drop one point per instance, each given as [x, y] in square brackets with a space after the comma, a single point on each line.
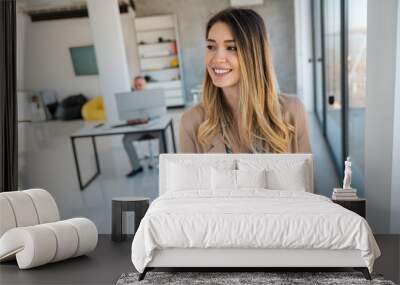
[345, 193]
[347, 174]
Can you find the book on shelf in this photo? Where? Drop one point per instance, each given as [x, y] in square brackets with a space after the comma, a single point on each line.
[341, 190]
[160, 69]
[156, 43]
[345, 194]
[348, 198]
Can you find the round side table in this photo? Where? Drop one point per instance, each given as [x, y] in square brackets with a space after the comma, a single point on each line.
[139, 205]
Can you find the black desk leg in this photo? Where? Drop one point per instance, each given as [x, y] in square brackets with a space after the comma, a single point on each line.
[81, 185]
[164, 141]
[173, 136]
[76, 162]
[96, 156]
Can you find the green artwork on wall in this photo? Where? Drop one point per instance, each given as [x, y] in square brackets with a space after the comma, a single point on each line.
[84, 60]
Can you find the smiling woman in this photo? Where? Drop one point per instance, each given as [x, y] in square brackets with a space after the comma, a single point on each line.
[221, 57]
[241, 111]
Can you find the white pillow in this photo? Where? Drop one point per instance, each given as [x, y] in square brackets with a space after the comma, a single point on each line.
[281, 174]
[223, 179]
[227, 179]
[183, 178]
[295, 180]
[251, 178]
[187, 175]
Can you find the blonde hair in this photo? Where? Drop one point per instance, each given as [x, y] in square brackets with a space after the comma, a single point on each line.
[261, 119]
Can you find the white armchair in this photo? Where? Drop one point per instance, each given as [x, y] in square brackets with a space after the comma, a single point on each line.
[32, 233]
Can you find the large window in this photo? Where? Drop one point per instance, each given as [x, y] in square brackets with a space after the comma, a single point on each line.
[317, 21]
[357, 71]
[339, 28]
[333, 72]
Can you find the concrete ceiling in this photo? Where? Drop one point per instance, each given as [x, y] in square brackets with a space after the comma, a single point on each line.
[41, 5]
[38, 5]
[50, 3]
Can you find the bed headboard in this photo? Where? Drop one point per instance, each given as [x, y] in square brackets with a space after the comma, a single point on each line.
[212, 159]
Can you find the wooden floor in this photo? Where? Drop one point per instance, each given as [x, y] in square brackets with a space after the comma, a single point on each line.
[111, 259]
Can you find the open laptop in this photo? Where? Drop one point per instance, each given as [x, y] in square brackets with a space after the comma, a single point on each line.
[139, 105]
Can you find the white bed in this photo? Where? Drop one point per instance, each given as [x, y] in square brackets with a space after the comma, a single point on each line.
[201, 219]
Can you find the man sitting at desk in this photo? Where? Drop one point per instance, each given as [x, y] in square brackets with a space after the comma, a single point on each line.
[139, 84]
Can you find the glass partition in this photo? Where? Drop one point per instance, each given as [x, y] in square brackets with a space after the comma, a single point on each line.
[357, 71]
[333, 90]
[339, 42]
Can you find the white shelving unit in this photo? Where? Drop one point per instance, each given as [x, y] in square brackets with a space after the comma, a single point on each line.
[159, 56]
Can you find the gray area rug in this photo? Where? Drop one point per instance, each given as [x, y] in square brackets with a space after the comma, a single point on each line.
[228, 278]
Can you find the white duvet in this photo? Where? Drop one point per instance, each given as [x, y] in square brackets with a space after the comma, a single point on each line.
[253, 218]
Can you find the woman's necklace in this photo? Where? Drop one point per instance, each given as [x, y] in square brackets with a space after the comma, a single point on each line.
[227, 148]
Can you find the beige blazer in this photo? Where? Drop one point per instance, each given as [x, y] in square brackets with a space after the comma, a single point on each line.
[293, 112]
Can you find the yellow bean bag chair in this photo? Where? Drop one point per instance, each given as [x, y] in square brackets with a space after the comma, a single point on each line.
[93, 110]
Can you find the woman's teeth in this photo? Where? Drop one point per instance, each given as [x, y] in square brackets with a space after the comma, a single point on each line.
[220, 71]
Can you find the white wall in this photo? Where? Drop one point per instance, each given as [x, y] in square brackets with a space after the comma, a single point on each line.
[47, 59]
[395, 193]
[379, 119]
[303, 34]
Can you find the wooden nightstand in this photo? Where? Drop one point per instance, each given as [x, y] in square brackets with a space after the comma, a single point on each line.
[357, 206]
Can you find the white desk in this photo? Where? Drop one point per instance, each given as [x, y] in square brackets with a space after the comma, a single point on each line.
[97, 130]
